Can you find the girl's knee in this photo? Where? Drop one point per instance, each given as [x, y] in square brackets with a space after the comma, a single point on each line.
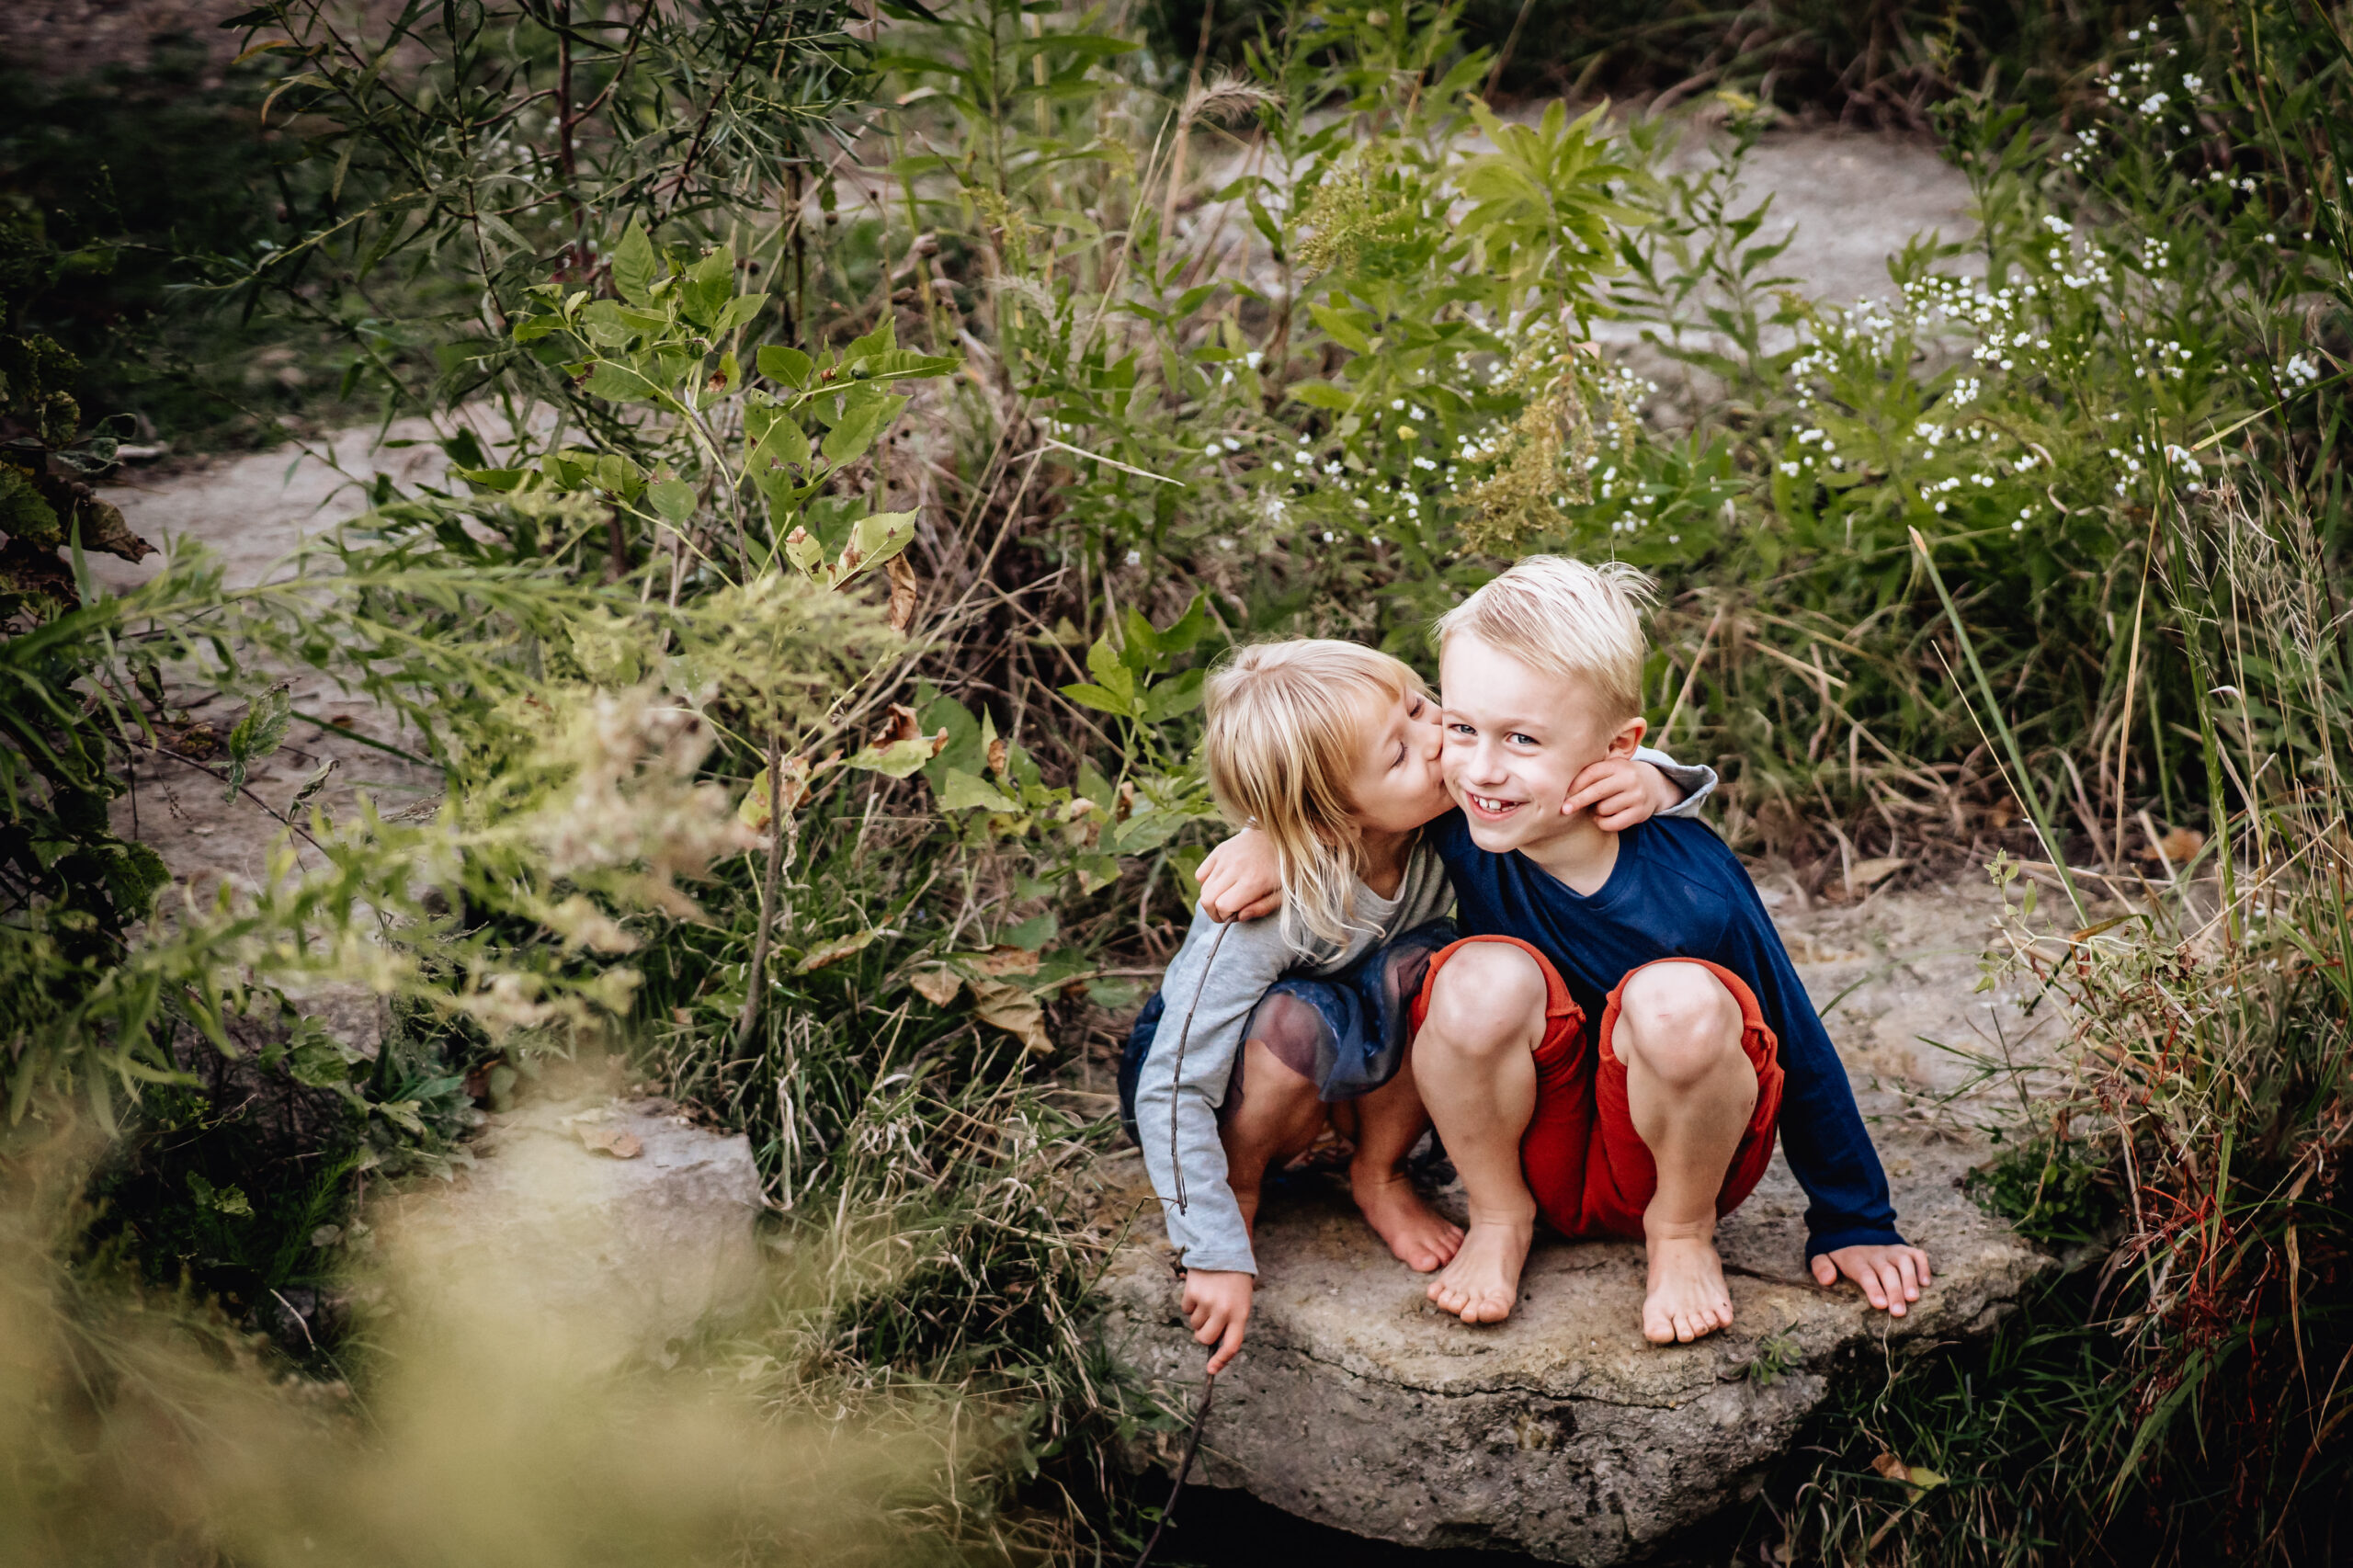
[1486, 996]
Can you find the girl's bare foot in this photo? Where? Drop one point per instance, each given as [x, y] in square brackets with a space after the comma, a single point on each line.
[1418, 1234]
[1481, 1285]
[1686, 1298]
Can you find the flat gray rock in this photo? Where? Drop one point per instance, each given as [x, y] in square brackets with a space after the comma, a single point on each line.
[1562, 1432]
[610, 1226]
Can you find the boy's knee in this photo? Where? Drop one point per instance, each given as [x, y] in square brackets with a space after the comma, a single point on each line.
[1678, 1020]
[1487, 997]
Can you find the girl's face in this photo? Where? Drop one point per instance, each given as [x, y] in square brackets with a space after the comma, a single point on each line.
[1397, 785]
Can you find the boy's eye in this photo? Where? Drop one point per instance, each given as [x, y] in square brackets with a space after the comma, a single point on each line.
[1524, 739]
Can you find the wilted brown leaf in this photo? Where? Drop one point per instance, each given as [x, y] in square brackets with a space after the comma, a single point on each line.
[903, 592]
[936, 984]
[1001, 959]
[2180, 846]
[1877, 870]
[104, 529]
[996, 755]
[1014, 1010]
[1889, 1466]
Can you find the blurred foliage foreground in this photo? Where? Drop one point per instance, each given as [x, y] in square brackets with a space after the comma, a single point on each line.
[860, 435]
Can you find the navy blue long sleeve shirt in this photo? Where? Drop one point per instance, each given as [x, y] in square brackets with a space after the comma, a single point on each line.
[1677, 890]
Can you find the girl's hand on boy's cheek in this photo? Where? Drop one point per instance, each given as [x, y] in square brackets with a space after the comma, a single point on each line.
[1617, 790]
[1242, 879]
[1889, 1275]
[1217, 1308]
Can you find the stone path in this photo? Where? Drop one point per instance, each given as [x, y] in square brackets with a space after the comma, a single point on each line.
[1562, 1432]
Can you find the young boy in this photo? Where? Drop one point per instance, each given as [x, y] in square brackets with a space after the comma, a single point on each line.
[1615, 1046]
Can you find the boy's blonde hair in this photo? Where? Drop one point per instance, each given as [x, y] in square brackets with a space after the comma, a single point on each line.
[1566, 617]
[1286, 732]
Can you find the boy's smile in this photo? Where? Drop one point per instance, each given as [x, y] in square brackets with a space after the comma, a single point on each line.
[1516, 740]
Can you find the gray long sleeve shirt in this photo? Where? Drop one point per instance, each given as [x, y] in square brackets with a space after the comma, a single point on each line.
[1208, 1232]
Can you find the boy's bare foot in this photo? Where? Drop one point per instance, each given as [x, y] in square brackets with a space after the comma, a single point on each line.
[1481, 1285]
[1687, 1299]
[1418, 1234]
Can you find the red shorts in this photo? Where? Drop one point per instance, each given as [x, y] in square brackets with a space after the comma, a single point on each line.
[1589, 1170]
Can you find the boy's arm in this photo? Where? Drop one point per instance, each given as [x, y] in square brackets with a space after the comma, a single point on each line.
[1242, 879]
[1849, 1217]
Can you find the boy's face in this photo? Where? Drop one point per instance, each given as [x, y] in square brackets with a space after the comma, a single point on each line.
[1514, 739]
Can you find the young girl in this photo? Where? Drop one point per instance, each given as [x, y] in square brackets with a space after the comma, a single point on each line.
[1330, 750]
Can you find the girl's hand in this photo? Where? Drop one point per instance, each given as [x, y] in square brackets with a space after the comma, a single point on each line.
[1622, 792]
[1242, 879]
[1217, 1306]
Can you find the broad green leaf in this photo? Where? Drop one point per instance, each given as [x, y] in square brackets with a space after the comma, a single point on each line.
[740, 309]
[1324, 395]
[1088, 695]
[634, 267]
[674, 499]
[789, 366]
[862, 421]
[967, 791]
[896, 760]
[1343, 331]
[1171, 697]
[617, 383]
[876, 538]
[498, 479]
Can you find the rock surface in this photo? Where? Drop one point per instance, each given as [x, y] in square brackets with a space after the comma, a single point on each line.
[1562, 1432]
[623, 1253]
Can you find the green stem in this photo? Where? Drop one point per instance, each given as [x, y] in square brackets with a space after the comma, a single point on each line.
[2022, 781]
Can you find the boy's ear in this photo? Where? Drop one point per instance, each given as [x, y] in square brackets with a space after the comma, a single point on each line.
[1623, 742]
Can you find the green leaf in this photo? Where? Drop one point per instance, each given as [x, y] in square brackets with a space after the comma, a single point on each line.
[634, 267]
[1087, 695]
[1032, 934]
[1108, 666]
[740, 309]
[674, 499]
[1342, 331]
[1172, 698]
[896, 760]
[788, 366]
[498, 479]
[258, 734]
[1324, 395]
[876, 538]
[862, 421]
[967, 791]
[619, 383]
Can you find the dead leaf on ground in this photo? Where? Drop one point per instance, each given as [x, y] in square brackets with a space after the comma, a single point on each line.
[2179, 846]
[1877, 870]
[1015, 1011]
[903, 592]
[936, 984]
[1003, 959]
[611, 1141]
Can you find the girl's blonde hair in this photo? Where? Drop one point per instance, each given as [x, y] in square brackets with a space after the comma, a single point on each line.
[1285, 733]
